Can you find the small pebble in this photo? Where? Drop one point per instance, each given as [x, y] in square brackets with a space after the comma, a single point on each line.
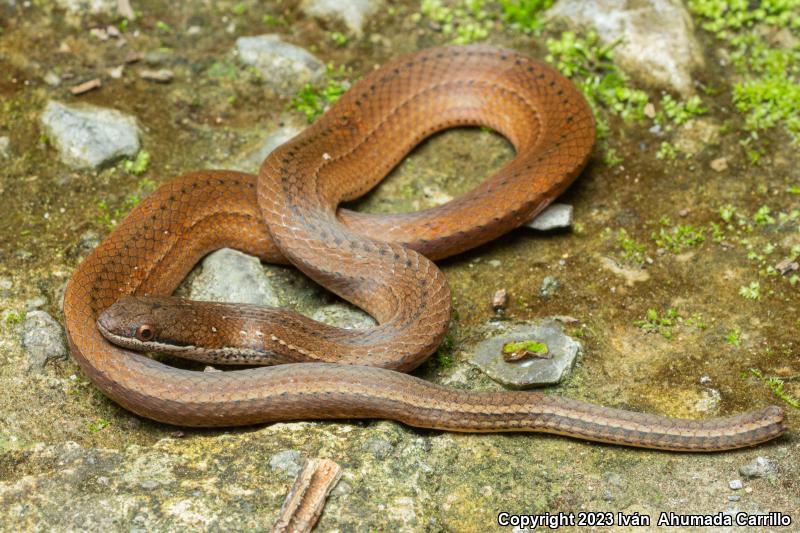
[786, 266]
[719, 165]
[735, 484]
[734, 498]
[550, 286]
[5, 147]
[500, 299]
[495, 263]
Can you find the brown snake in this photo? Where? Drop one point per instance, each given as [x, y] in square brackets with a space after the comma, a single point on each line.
[380, 263]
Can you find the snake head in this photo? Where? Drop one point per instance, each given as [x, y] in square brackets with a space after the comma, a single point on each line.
[136, 321]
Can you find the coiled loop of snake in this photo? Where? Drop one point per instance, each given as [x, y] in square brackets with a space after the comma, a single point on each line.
[289, 213]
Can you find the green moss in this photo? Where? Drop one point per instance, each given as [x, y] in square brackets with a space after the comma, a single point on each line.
[338, 38]
[677, 238]
[590, 65]
[138, 166]
[525, 14]
[222, 69]
[13, 318]
[631, 250]
[768, 95]
[444, 354]
[313, 100]
[675, 112]
[526, 346]
[667, 151]
[462, 21]
[733, 337]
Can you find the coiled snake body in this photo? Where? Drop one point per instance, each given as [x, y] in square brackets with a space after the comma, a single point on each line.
[380, 263]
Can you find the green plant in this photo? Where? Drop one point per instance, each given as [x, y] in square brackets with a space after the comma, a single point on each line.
[313, 100]
[733, 337]
[677, 238]
[659, 324]
[338, 38]
[138, 166]
[525, 13]
[631, 250]
[751, 291]
[776, 385]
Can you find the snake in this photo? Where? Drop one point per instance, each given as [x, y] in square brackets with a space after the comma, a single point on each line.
[290, 213]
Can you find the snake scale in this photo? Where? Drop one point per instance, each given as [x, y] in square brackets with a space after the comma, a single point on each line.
[383, 264]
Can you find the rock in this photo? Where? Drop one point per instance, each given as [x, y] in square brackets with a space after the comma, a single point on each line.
[759, 467]
[88, 136]
[251, 161]
[42, 339]
[230, 276]
[344, 316]
[556, 216]
[283, 66]
[288, 461]
[695, 135]
[562, 352]
[500, 299]
[660, 47]
[550, 285]
[735, 484]
[52, 79]
[35, 303]
[352, 13]
[709, 401]
[5, 147]
[91, 7]
[719, 165]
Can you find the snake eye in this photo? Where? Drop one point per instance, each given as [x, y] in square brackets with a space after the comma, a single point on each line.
[145, 332]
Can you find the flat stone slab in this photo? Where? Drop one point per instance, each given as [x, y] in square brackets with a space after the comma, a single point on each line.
[531, 372]
[88, 136]
[283, 66]
[230, 276]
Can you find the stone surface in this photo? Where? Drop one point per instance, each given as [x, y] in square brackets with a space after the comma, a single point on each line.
[42, 339]
[92, 7]
[251, 160]
[352, 13]
[696, 135]
[283, 66]
[659, 45]
[563, 350]
[344, 316]
[230, 276]
[554, 217]
[759, 467]
[90, 136]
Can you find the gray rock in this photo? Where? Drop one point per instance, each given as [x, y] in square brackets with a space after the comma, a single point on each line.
[42, 339]
[344, 316]
[735, 484]
[283, 66]
[5, 147]
[230, 276]
[288, 461]
[759, 467]
[660, 47]
[556, 216]
[563, 350]
[88, 136]
[352, 13]
[550, 286]
[251, 160]
[92, 7]
[35, 303]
